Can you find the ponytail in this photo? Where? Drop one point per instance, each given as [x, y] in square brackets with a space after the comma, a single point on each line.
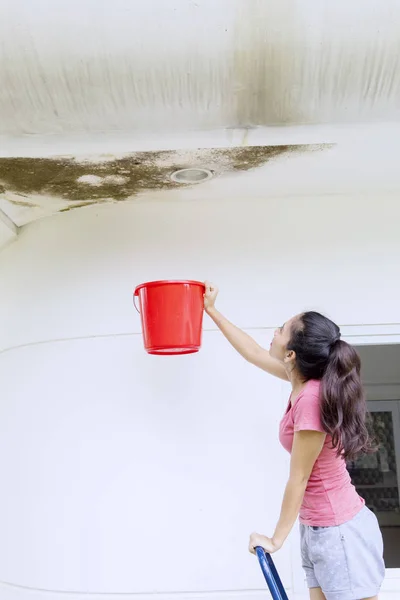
[343, 404]
[322, 355]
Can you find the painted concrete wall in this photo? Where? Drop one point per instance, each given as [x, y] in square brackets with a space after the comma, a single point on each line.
[107, 454]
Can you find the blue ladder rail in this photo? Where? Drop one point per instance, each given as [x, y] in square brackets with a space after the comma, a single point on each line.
[271, 575]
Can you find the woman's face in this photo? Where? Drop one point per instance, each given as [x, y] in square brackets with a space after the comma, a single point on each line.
[281, 339]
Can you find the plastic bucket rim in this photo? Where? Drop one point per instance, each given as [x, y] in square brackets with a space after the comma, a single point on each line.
[172, 351]
[167, 282]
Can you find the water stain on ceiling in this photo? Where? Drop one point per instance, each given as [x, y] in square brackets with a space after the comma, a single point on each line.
[67, 183]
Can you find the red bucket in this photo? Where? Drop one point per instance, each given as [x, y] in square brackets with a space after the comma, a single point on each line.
[172, 316]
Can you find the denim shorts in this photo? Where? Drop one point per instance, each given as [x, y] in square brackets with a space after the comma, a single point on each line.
[345, 561]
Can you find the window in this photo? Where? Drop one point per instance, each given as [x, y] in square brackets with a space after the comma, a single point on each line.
[377, 476]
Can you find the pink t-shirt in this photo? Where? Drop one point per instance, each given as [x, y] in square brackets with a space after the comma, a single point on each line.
[330, 498]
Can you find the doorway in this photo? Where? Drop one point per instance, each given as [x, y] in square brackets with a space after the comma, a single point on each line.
[377, 476]
[379, 348]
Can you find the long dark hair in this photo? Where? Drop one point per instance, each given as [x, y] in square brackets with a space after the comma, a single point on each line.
[322, 355]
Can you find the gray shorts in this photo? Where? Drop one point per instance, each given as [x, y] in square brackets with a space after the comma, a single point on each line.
[346, 561]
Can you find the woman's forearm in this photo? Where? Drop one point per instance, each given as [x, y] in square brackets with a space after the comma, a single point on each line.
[246, 346]
[241, 341]
[292, 500]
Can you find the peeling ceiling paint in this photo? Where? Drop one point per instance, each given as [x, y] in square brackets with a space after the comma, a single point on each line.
[62, 184]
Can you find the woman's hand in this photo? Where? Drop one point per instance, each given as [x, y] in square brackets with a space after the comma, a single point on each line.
[268, 544]
[210, 295]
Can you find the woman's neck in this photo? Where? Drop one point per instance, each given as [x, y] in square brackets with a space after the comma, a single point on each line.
[297, 382]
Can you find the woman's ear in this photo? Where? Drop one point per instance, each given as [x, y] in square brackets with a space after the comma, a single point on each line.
[290, 357]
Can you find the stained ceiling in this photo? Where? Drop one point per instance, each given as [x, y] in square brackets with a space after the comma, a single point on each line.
[31, 187]
[149, 70]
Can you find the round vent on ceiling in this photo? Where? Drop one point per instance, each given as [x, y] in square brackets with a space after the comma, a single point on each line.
[191, 175]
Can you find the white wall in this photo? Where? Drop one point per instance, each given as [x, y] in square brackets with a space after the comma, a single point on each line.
[107, 453]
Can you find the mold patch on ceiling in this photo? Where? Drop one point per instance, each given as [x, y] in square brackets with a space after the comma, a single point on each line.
[50, 185]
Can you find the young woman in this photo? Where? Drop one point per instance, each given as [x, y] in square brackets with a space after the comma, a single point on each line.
[323, 426]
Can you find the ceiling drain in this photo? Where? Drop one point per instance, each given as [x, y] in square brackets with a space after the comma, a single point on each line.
[191, 175]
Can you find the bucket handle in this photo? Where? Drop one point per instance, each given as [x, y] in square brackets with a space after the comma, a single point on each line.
[134, 301]
[271, 575]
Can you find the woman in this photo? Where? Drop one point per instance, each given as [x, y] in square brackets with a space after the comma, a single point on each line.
[324, 425]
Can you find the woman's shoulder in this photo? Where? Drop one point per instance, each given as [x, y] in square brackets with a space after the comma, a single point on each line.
[310, 393]
[313, 386]
[306, 411]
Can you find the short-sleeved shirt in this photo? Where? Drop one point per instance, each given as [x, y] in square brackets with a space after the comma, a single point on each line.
[330, 498]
